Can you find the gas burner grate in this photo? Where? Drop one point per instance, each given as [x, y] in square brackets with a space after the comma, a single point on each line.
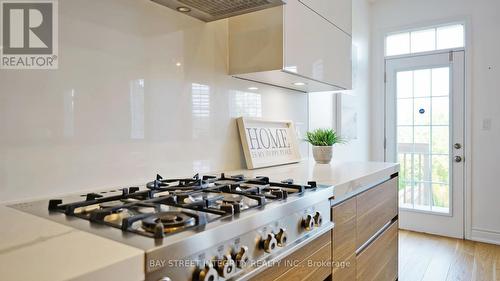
[131, 193]
[183, 184]
[168, 206]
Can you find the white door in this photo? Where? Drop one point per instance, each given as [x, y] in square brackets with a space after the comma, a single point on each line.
[425, 134]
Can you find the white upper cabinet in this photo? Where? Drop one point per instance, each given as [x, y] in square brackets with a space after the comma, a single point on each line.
[315, 48]
[338, 12]
[293, 46]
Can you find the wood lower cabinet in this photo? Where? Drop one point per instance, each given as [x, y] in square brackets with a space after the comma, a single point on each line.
[345, 270]
[363, 245]
[379, 261]
[308, 269]
[311, 262]
[375, 208]
[365, 236]
[344, 241]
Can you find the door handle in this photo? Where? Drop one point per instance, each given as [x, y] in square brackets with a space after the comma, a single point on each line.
[458, 159]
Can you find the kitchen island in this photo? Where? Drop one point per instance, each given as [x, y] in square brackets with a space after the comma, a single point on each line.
[364, 242]
[33, 248]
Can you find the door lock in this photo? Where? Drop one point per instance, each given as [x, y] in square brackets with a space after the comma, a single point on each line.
[458, 159]
[457, 146]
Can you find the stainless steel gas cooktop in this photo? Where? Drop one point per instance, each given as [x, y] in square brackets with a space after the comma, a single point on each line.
[200, 228]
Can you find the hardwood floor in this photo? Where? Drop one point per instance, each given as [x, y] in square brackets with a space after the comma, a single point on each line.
[435, 258]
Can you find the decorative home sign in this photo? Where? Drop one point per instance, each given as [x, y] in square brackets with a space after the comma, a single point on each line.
[268, 143]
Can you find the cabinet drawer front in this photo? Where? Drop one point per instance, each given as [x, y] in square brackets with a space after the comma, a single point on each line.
[315, 267]
[379, 261]
[315, 48]
[302, 254]
[344, 232]
[375, 208]
[344, 212]
[345, 270]
[338, 12]
[344, 240]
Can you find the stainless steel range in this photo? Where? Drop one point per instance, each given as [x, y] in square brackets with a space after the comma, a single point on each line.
[202, 228]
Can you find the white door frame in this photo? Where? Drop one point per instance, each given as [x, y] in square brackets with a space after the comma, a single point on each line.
[455, 224]
[379, 94]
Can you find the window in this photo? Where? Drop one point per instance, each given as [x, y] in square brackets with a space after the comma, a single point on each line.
[425, 40]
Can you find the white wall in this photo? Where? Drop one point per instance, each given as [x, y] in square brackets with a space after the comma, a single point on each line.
[119, 109]
[484, 58]
[323, 107]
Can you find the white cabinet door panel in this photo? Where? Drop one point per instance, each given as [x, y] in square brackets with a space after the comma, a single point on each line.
[315, 48]
[339, 12]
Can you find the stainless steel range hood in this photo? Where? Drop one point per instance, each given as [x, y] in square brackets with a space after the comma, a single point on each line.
[210, 10]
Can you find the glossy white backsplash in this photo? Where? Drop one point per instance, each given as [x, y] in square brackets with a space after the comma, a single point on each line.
[140, 90]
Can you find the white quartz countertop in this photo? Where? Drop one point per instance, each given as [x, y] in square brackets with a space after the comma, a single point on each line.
[33, 248]
[348, 178]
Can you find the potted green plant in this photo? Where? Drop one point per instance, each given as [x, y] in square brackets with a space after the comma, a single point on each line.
[322, 141]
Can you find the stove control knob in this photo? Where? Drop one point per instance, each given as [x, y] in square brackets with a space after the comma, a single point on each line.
[308, 223]
[281, 237]
[318, 219]
[207, 273]
[226, 266]
[269, 244]
[241, 257]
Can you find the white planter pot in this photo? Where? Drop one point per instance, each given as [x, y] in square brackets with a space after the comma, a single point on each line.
[322, 154]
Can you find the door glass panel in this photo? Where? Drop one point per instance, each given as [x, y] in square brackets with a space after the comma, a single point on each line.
[405, 84]
[405, 114]
[440, 110]
[405, 180]
[421, 111]
[440, 140]
[440, 168]
[405, 134]
[440, 191]
[422, 83]
[440, 81]
[423, 138]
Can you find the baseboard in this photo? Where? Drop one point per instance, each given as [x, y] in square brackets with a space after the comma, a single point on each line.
[485, 235]
[427, 231]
